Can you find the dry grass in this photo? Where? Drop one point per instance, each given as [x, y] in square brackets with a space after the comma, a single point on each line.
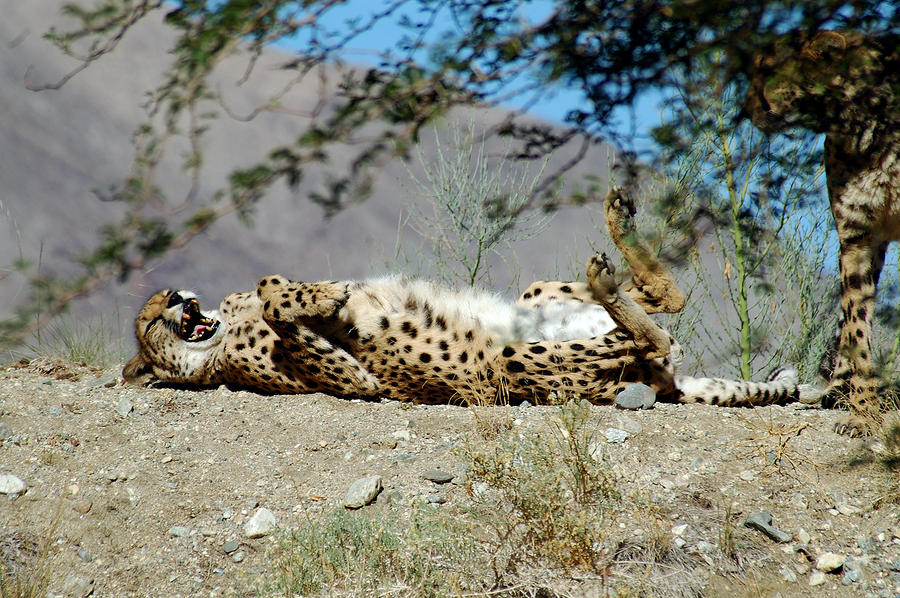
[25, 565]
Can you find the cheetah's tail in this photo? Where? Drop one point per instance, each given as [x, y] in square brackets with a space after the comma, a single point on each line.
[781, 386]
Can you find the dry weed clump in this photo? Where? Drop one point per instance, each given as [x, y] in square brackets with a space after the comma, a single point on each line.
[538, 511]
[25, 565]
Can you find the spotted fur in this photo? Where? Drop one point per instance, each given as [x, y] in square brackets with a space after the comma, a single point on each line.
[846, 86]
[413, 340]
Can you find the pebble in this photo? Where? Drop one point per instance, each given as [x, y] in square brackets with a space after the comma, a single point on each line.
[788, 575]
[678, 530]
[747, 475]
[704, 546]
[636, 396]
[77, 587]
[362, 492]
[615, 435]
[237, 557]
[852, 572]
[124, 407]
[829, 561]
[623, 422]
[85, 556]
[12, 485]
[436, 499]
[82, 506]
[5, 431]
[403, 435]
[230, 546]
[763, 522]
[260, 524]
[437, 476]
[178, 531]
[816, 578]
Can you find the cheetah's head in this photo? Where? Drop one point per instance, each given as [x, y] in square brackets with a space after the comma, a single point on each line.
[818, 81]
[177, 342]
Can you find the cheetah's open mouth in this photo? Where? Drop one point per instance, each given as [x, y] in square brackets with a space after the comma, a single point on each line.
[195, 327]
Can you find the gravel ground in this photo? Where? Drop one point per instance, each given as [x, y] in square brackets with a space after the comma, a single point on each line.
[153, 487]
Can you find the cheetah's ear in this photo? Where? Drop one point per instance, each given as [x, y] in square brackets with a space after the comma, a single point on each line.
[822, 42]
[138, 371]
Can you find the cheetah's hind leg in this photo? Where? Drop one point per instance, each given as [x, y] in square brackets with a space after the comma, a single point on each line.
[652, 285]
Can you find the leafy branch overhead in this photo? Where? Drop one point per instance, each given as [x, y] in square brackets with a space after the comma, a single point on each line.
[435, 55]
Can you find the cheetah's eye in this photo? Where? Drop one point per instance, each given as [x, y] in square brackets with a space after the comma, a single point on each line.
[174, 299]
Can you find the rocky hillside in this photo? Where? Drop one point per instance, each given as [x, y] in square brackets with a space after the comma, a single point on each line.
[60, 147]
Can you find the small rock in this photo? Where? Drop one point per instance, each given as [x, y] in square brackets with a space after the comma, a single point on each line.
[77, 587]
[436, 499]
[362, 492]
[816, 578]
[829, 561]
[623, 422]
[788, 575]
[763, 522]
[85, 556]
[237, 557]
[615, 435]
[524, 404]
[124, 407]
[704, 546]
[678, 530]
[747, 475]
[10, 484]
[437, 476]
[852, 572]
[178, 531]
[803, 537]
[636, 396]
[260, 524]
[82, 506]
[230, 546]
[401, 435]
[5, 431]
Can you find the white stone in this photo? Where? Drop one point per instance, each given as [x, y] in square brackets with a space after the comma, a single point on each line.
[615, 436]
[10, 484]
[260, 524]
[829, 561]
[401, 435]
[678, 530]
[362, 492]
[816, 578]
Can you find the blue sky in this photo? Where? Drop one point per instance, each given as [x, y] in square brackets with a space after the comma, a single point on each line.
[637, 120]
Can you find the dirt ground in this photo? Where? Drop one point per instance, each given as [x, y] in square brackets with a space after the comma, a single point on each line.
[152, 487]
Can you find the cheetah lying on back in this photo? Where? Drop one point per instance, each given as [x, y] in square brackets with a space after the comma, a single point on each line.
[415, 341]
[847, 86]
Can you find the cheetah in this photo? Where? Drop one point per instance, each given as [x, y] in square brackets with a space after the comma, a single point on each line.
[413, 340]
[845, 85]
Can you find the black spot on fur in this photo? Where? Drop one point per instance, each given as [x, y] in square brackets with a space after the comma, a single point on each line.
[384, 323]
[538, 349]
[515, 367]
[424, 357]
[566, 289]
[508, 351]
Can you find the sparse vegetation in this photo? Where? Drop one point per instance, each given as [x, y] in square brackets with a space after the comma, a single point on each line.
[524, 512]
[473, 204]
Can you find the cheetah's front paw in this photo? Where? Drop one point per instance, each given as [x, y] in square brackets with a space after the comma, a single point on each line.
[601, 278]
